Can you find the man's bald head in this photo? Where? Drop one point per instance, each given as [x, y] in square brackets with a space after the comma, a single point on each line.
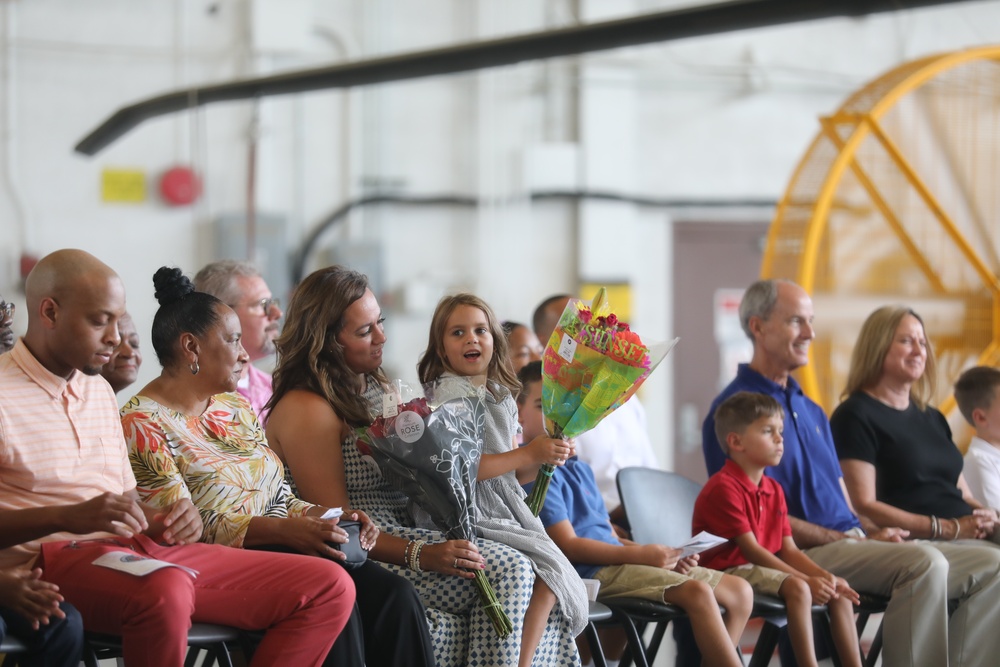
[74, 303]
[62, 275]
[547, 315]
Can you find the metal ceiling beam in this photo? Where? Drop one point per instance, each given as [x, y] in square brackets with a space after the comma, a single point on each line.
[645, 29]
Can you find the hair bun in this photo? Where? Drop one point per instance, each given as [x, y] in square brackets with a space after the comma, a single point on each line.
[171, 285]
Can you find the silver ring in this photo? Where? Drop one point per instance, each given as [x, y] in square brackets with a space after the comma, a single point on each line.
[456, 564]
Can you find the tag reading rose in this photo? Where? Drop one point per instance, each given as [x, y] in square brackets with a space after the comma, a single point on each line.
[409, 427]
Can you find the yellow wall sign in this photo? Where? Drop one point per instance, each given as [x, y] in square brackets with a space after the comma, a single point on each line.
[123, 186]
[619, 297]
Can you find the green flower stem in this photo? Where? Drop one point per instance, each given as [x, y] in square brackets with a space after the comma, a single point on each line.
[491, 605]
[536, 499]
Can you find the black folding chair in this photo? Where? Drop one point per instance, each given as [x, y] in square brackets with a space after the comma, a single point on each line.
[600, 616]
[871, 604]
[11, 648]
[212, 639]
[635, 615]
[659, 506]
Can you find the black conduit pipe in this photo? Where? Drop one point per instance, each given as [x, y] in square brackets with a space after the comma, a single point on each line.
[299, 260]
[657, 27]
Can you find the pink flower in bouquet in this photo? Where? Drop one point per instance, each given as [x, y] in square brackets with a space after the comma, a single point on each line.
[612, 319]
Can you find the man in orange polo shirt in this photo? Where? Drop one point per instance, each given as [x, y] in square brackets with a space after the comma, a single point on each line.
[63, 462]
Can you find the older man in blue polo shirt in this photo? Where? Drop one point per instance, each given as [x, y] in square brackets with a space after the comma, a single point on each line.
[919, 576]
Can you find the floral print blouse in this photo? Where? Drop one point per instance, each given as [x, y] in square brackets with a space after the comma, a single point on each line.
[219, 459]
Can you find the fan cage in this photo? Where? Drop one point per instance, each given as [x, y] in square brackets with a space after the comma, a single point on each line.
[897, 200]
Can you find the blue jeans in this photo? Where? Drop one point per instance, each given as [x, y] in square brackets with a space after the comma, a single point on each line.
[58, 644]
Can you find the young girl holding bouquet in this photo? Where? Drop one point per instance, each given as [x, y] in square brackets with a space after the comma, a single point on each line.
[466, 340]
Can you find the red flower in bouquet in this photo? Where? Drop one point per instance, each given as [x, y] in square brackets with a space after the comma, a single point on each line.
[418, 405]
[381, 426]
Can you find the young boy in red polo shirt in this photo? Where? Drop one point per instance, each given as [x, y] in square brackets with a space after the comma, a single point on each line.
[742, 504]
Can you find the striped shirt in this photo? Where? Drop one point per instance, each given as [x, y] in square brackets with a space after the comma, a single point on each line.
[61, 442]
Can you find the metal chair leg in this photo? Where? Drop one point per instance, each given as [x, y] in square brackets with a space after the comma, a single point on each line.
[221, 653]
[875, 650]
[767, 640]
[635, 647]
[596, 650]
[654, 643]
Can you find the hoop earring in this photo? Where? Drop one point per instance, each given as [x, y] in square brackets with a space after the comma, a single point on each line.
[194, 368]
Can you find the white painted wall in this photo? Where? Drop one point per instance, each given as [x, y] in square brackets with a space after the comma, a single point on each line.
[716, 118]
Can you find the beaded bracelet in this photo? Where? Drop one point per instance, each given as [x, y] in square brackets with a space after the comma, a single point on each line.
[406, 553]
[416, 555]
[413, 559]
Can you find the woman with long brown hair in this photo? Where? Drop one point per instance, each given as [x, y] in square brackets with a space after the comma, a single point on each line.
[326, 384]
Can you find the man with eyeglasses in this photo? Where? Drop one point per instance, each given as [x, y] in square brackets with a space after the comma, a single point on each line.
[240, 285]
[6, 321]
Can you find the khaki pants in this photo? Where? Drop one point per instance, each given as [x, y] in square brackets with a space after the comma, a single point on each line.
[921, 577]
[763, 580]
[647, 583]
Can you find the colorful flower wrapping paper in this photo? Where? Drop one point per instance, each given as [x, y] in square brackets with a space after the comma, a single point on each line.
[592, 364]
[429, 448]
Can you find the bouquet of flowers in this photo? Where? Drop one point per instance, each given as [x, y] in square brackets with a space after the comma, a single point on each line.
[429, 448]
[593, 363]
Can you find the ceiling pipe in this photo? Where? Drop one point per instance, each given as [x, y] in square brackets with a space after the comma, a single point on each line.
[658, 27]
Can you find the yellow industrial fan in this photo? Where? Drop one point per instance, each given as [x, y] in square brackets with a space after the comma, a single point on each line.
[897, 200]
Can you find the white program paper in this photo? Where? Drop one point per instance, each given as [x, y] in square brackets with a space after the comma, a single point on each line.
[700, 542]
[134, 564]
[333, 513]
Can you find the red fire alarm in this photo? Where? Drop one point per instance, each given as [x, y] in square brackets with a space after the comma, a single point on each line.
[179, 186]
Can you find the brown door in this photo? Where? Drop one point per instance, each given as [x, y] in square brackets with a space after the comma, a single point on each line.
[708, 257]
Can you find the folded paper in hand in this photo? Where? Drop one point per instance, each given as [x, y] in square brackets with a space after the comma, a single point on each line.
[134, 564]
[700, 542]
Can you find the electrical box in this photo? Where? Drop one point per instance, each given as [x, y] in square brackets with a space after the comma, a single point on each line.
[231, 240]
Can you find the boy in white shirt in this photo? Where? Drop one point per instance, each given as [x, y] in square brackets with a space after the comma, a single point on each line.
[976, 393]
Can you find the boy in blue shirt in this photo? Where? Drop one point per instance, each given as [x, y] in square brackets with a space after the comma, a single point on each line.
[577, 521]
